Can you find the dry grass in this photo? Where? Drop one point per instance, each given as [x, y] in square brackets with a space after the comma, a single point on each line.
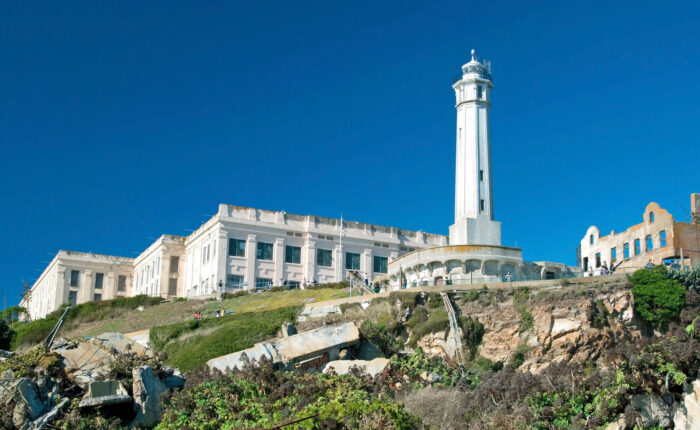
[127, 320]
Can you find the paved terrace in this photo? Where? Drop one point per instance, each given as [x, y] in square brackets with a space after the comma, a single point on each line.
[545, 284]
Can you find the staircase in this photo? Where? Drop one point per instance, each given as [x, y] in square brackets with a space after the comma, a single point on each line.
[454, 328]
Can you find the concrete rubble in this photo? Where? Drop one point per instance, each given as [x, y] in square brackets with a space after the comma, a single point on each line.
[343, 367]
[37, 399]
[149, 395]
[308, 350]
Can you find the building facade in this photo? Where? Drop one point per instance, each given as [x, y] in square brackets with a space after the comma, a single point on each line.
[253, 248]
[158, 271]
[658, 239]
[79, 277]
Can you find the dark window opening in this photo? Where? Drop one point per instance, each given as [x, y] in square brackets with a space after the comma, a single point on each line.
[99, 280]
[264, 251]
[597, 259]
[74, 274]
[292, 254]
[381, 264]
[236, 247]
[352, 261]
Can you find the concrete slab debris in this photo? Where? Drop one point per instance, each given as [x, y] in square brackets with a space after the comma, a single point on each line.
[371, 367]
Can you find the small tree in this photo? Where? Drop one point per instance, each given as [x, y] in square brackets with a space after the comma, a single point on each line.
[6, 335]
[657, 299]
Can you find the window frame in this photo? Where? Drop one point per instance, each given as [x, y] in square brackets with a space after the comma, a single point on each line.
[353, 261]
[232, 281]
[77, 279]
[321, 261]
[379, 258]
[238, 246]
[637, 247]
[263, 250]
[261, 283]
[295, 257]
[663, 241]
[101, 277]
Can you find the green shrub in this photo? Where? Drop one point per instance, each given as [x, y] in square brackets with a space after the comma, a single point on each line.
[262, 398]
[6, 335]
[472, 333]
[385, 337]
[213, 337]
[12, 314]
[332, 285]
[657, 299]
[519, 356]
[32, 332]
[437, 321]
[689, 277]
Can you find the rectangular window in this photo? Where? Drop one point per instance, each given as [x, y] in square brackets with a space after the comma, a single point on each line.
[236, 247]
[650, 243]
[324, 257]
[73, 298]
[263, 283]
[481, 175]
[234, 281]
[637, 247]
[381, 264]
[585, 264]
[174, 264]
[172, 287]
[352, 261]
[74, 275]
[121, 283]
[293, 284]
[97, 297]
[627, 251]
[613, 254]
[479, 92]
[662, 237]
[481, 208]
[99, 280]
[597, 259]
[264, 251]
[292, 254]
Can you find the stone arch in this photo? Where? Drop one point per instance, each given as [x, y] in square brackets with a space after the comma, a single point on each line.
[490, 268]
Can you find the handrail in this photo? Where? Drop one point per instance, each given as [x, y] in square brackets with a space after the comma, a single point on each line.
[454, 326]
[49, 339]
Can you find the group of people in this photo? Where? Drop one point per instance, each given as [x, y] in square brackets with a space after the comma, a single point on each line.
[198, 315]
[604, 269]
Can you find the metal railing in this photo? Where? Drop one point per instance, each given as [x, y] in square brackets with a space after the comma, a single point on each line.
[491, 279]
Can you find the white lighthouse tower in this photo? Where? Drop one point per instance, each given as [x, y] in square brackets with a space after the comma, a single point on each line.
[474, 223]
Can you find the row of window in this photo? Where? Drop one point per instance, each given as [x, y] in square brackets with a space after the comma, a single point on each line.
[292, 254]
[99, 280]
[649, 243]
[651, 220]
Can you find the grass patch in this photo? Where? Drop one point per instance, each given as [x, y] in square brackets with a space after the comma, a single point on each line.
[437, 320]
[34, 332]
[190, 344]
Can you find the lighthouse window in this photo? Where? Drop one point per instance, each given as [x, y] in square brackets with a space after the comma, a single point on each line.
[481, 175]
[482, 205]
[479, 92]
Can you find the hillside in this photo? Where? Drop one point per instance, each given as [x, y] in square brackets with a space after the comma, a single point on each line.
[605, 352]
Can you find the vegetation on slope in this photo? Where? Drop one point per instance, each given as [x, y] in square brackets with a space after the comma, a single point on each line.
[261, 397]
[192, 343]
[657, 299]
[34, 332]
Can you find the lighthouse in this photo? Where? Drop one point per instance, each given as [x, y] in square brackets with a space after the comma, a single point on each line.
[474, 218]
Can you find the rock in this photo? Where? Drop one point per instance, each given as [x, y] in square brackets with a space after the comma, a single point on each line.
[19, 415]
[87, 362]
[618, 424]
[173, 381]
[430, 377]
[343, 355]
[398, 386]
[653, 409]
[7, 375]
[371, 367]
[45, 419]
[149, 394]
[25, 393]
[6, 354]
[104, 393]
[687, 415]
[563, 326]
[61, 344]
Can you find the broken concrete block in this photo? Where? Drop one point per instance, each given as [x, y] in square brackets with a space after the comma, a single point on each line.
[7, 375]
[123, 344]
[371, 367]
[149, 394]
[288, 329]
[25, 392]
[104, 393]
[45, 419]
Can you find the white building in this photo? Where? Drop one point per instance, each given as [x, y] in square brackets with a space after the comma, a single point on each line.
[157, 271]
[78, 277]
[254, 248]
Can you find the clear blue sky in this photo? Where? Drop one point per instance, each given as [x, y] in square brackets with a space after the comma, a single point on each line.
[122, 121]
